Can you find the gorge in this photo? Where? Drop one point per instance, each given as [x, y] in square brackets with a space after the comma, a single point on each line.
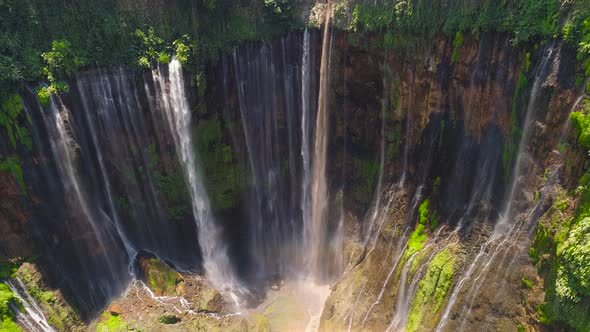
[294, 165]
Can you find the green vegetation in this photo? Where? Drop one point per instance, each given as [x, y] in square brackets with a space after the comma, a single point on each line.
[457, 43]
[109, 32]
[436, 185]
[432, 290]
[161, 279]
[169, 319]
[573, 273]
[365, 173]
[519, 99]
[59, 314]
[523, 20]
[418, 237]
[111, 323]
[12, 118]
[415, 242]
[61, 63]
[7, 300]
[581, 124]
[170, 185]
[561, 249]
[576, 31]
[527, 283]
[8, 269]
[423, 212]
[223, 178]
[12, 164]
[152, 49]
[12, 121]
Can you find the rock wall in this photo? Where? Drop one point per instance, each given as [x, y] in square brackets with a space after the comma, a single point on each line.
[436, 121]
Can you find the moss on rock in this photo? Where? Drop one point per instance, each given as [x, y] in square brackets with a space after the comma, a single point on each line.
[223, 176]
[432, 290]
[59, 313]
[158, 276]
[365, 172]
[7, 301]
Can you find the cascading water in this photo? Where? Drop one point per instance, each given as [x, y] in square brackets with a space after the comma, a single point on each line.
[315, 228]
[505, 225]
[32, 317]
[131, 252]
[305, 129]
[97, 262]
[130, 174]
[174, 103]
[267, 79]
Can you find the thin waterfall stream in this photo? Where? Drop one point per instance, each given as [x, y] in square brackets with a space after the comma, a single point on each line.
[174, 104]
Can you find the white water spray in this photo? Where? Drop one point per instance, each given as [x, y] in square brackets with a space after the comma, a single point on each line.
[32, 318]
[174, 103]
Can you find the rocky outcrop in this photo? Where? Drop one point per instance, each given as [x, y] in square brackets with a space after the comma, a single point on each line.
[59, 313]
[458, 107]
[158, 276]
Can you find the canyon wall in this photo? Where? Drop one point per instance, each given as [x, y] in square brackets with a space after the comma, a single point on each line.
[439, 123]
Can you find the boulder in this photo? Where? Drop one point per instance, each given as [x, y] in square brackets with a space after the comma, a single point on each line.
[159, 276]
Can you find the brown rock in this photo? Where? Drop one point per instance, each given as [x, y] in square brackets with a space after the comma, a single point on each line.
[115, 309]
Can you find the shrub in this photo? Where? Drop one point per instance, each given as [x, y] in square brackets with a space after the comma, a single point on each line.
[573, 274]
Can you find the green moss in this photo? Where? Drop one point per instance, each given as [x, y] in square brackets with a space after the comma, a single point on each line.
[513, 137]
[561, 205]
[169, 319]
[527, 283]
[365, 173]
[436, 185]
[8, 269]
[7, 300]
[541, 244]
[12, 165]
[393, 137]
[457, 43]
[423, 212]
[561, 249]
[112, 323]
[170, 184]
[432, 290]
[259, 323]
[223, 177]
[59, 314]
[581, 124]
[415, 242]
[161, 279]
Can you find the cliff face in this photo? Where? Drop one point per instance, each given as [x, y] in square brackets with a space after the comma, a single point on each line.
[423, 161]
[450, 115]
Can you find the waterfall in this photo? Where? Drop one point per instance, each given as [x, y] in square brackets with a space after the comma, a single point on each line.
[305, 132]
[505, 225]
[32, 317]
[131, 252]
[504, 222]
[173, 102]
[96, 262]
[316, 227]
[126, 147]
[266, 82]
